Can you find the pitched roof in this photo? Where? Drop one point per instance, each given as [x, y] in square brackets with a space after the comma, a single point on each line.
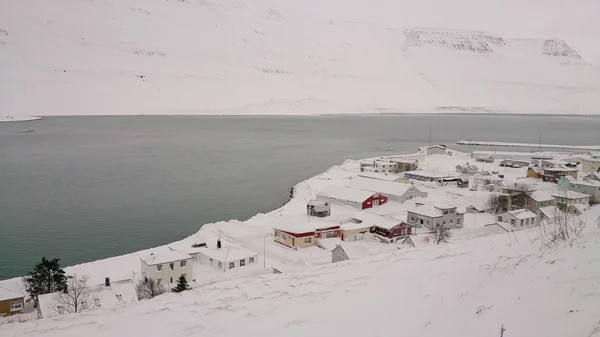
[549, 212]
[541, 196]
[522, 213]
[592, 183]
[384, 187]
[427, 210]
[231, 253]
[569, 195]
[345, 193]
[593, 176]
[379, 176]
[10, 289]
[165, 257]
[370, 219]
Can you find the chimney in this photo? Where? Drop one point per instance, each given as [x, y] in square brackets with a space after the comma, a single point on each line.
[107, 281]
[218, 243]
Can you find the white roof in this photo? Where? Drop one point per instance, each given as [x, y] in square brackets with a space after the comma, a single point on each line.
[10, 289]
[595, 160]
[595, 154]
[379, 186]
[346, 193]
[379, 176]
[592, 183]
[429, 174]
[593, 175]
[317, 203]
[165, 257]
[504, 225]
[431, 210]
[402, 160]
[549, 211]
[541, 196]
[569, 194]
[555, 161]
[370, 219]
[228, 254]
[352, 226]
[522, 214]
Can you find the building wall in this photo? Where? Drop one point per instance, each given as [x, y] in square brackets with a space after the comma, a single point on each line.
[431, 223]
[369, 202]
[5, 307]
[293, 241]
[225, 266]
[590, 165]
[436, 150]
[166, 273]
[354, 234]
[518, 224]
[593, 191]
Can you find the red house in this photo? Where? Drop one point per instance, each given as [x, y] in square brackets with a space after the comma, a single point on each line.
[353, 197]
[386, 228]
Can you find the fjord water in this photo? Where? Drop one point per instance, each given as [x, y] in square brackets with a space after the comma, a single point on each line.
[86, 188]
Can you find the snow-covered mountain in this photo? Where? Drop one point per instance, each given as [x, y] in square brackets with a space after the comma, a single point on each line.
[85, 57]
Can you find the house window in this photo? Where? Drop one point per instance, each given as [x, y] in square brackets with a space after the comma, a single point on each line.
[182, 264]
[119, 297]
[242, 263]
[451, 221]
[412, 218]
[445, 212]
[458, 221]
[158, 280]
[522, 221]
[159, 267]
[444, 222]
[428, 222]
[500, 218]
[171, 265]
[145, 279]
[513, 222]
[231, 265]
[97, 302]
[307, 240]
[15, 306]
[211, 261]
[170, 280]
[251, 260]
[437, 224]
[451, 211]
[527, 221]
[220, 265]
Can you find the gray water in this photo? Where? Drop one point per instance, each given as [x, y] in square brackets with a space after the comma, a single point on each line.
[86, 188]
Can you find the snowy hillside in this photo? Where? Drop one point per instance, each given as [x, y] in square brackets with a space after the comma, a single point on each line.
[82, 57]
[468, 288]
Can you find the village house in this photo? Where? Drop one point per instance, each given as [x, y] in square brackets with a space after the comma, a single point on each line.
[106, 295]
[548, 214]
[568, 199]
[498, 228]
[354, 231]
[592, 176]
[548, 163]
[167, 266]
[589, 187]
[428, 176]
[306, 235]
[478, 206]
[381, 176]
[484, 159]
[520, 218]
[386, 228]
[12, 298]
[318, 208]
[378, 166]
[467, 169]
[552, 174]
[537, 199]
[398, 192]
[404, 164]
[435, 215]
[535, 172]
[228, 258]
[591, 165]
[434, 149]
[479, 182]
[353, 197]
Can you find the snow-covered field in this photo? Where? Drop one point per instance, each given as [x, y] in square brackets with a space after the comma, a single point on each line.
[470, 286]
[268, 57]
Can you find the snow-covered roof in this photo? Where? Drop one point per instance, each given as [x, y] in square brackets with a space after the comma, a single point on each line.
[295, 228]
[592, 183]
[522, 214]
[555, 162]
[504, 225]
[549, 211]
[346, 193]
[595, 160]
[379, 176]
[428, 174]
[541, 196]
[370, 220]
[379, 186]
[228, 254]
[593, 176]
[402, 160]
[569, 194]
[165, 257]
[353, 225]
[427, 210]
[560, 169]
[442, 205]
[595, 154]
[318, 203]
[10, 289]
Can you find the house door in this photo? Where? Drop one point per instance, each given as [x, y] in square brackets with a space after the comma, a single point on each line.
[375, 202]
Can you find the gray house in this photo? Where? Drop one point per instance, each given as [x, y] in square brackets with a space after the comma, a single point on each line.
[435, 215]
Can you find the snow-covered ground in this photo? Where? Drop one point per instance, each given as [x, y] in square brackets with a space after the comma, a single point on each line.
[266, 57]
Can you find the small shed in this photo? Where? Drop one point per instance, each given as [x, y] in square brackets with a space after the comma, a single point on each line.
[339, 254]
[318, 208]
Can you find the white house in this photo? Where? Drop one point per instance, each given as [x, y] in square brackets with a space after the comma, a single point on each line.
[378, 166]
[590, 165]
[398, 192]
[570, 198]
[102, 296]
[548, 214]
[498, 228]
[167, 266]
[227, 258]
[519, 218]
[433, 149]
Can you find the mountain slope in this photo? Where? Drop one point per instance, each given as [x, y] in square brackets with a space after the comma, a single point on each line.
[284, 57]
[466, 288]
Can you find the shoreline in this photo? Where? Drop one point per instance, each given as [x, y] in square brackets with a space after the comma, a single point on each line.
[8, 119]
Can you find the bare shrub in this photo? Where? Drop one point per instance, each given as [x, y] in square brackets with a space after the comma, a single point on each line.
[441, 234]
[75, 298]
[562, 227]
[149, 288]
[492, 203]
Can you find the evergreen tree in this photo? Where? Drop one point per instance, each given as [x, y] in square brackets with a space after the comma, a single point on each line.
[182, 285]
[46, 277]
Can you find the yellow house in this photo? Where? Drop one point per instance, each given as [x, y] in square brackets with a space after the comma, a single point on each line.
[12, 299]
[535, 172]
